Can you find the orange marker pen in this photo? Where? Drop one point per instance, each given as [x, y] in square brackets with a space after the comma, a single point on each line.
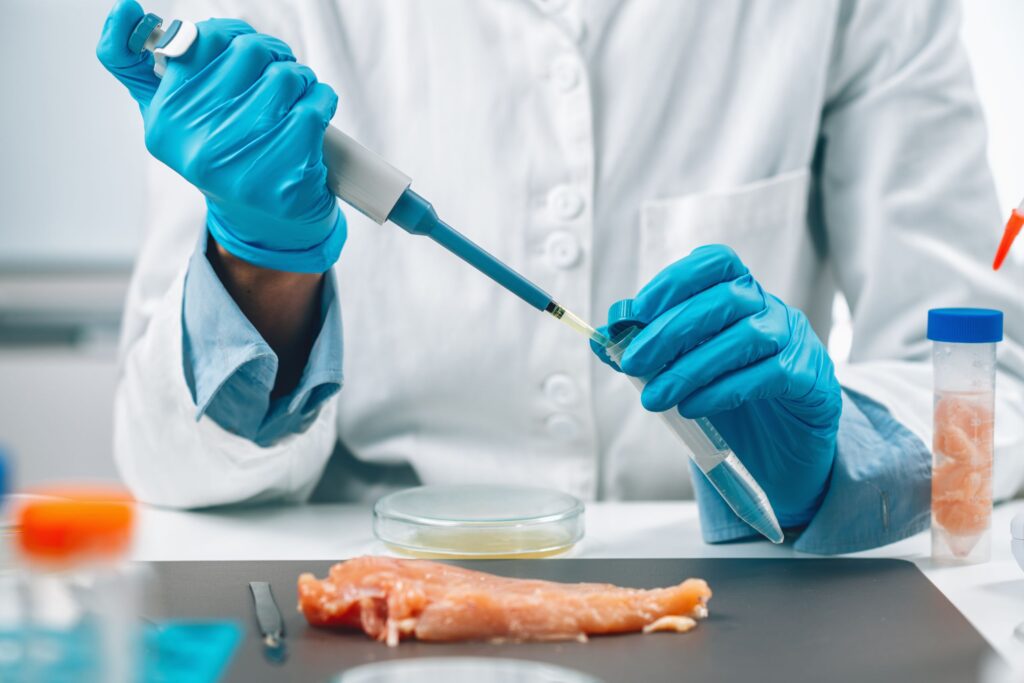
[1013, 227]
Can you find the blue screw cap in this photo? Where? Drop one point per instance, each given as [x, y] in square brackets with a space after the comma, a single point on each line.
[142, 31]
[965, 325]
[169, 34]
[621, 317]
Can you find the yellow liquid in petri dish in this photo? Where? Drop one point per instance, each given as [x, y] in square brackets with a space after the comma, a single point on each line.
[486, 544]
[479, 521]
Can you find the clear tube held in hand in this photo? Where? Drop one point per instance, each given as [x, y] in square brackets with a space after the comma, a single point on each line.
[714, 457]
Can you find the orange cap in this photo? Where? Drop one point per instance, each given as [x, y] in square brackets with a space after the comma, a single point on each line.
[76, 523]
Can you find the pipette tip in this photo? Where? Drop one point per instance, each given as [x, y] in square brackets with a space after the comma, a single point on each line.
[577, 323]
[1013, 227]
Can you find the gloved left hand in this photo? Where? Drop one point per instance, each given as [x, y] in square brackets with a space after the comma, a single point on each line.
[237, 117]
[717, 345]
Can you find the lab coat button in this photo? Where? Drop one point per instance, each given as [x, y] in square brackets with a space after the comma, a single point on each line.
[563, 427]
[563, 250]
[565, 203]
[565, 74]
[561, 390]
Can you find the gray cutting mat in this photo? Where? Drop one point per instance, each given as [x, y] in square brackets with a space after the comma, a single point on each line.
[771, 620]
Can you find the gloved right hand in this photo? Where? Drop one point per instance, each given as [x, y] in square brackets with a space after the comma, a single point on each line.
[716, 345]
[238, 118]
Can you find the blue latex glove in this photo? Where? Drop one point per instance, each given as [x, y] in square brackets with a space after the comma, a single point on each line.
[238, 118]
[717, 345]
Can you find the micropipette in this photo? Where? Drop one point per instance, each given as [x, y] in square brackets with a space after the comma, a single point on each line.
[1013, 226]
[365, 181]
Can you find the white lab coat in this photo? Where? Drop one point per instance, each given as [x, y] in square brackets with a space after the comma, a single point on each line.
[589, 144]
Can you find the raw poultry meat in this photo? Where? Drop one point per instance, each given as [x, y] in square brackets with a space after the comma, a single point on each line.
[962, 470]
[390, 599]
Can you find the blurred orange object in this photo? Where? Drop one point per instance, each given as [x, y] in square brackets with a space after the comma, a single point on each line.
[74, 524]
[1013, 227]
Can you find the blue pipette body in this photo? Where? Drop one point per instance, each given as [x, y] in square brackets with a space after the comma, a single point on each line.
[415, 215]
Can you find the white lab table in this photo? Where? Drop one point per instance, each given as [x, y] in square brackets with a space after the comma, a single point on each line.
[990, 595]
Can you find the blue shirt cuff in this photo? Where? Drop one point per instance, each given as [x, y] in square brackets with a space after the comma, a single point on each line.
[230, 369]
[879, 491]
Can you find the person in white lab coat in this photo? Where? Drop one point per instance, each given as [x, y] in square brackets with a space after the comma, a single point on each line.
[834, 145]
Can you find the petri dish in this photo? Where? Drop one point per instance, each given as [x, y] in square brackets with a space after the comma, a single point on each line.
[463, 670]
[485, 521]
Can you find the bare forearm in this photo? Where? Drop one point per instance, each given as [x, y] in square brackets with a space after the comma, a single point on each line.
[283, 307]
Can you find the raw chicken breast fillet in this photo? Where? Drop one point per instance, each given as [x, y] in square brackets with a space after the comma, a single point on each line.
[390, 599]
[962, 469]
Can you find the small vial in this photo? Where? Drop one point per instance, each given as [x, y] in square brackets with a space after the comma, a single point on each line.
[78, 594]
[964, 365]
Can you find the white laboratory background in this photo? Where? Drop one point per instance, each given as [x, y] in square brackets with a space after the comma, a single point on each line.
[71, 202]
